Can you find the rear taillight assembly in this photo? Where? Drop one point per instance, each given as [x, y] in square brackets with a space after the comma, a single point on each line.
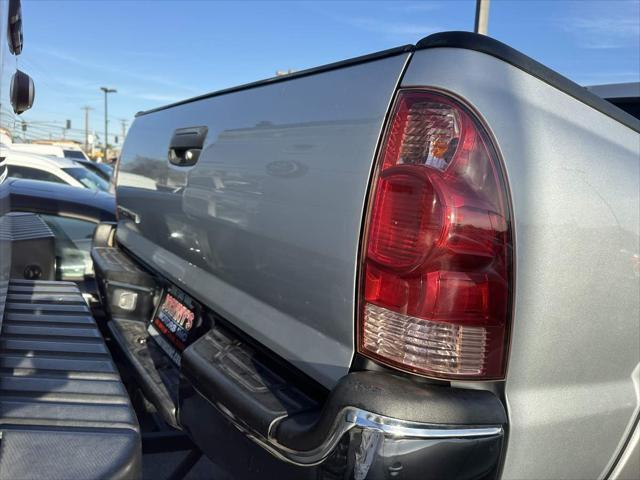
[436, 281]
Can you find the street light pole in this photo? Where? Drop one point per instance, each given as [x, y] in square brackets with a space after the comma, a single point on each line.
[123, 123]
[86, 128]
[482, 17]
[106, 121]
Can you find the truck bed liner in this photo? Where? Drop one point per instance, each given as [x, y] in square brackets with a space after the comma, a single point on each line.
[64, 413]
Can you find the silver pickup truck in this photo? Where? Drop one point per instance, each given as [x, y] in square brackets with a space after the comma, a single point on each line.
[420, 263]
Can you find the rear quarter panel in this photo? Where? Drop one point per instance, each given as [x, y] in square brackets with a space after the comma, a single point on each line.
[574, 179]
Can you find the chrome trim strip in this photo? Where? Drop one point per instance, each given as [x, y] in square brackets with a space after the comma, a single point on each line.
[401, 428]
[352, 417]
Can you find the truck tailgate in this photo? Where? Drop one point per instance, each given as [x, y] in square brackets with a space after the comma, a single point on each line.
[265, 227]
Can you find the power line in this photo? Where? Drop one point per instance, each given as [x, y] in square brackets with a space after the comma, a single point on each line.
[37, 129]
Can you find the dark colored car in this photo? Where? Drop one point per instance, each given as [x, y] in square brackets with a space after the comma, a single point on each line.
[102, 169]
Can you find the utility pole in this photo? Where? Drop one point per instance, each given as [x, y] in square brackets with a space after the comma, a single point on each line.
[482, 17]
[86, 127]
[106, 120]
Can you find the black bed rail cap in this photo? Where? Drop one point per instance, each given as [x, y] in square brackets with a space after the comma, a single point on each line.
[290, 76]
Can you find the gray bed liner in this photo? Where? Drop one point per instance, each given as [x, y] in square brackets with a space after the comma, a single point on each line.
[64, 412]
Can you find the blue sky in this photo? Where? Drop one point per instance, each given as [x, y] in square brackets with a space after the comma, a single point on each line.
[156, 52]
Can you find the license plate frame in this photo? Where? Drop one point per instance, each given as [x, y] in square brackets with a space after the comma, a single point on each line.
[174, 322]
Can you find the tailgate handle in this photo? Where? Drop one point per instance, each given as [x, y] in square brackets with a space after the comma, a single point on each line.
[186, 145]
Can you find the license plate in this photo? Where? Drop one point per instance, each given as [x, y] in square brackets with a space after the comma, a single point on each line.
[173, 322]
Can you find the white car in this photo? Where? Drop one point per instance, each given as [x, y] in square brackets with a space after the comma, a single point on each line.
[51, 169]
[59, 151]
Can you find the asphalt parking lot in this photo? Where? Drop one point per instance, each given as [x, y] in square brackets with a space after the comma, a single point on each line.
[160, 466]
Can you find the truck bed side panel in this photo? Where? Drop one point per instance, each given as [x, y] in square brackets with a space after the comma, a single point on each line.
[574, 176]
[265, 227]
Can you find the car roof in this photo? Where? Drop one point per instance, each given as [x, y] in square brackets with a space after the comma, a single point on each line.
[27, 159]
[37, 148]
[50, 146]
[60, 199]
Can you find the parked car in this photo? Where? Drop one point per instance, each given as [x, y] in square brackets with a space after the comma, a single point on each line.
[52, 169]
[67, 151]
[101, 169]
[417, 264]
[105, 171]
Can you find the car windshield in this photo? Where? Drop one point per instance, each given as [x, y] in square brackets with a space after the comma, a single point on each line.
[74, 154]
[106, 169]
[88, 178]
[103, 171]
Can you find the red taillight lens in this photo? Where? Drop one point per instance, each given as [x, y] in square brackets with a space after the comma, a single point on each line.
[436, 283]
[401, 235]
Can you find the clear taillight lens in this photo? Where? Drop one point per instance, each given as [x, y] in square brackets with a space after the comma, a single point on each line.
[436, 284]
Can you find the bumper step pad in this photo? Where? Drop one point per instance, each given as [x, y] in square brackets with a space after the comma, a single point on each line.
[64, 412]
